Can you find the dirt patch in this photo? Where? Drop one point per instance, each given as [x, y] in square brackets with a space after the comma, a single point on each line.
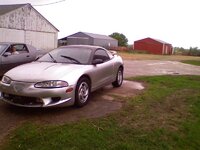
[103, 102]
[134, 56]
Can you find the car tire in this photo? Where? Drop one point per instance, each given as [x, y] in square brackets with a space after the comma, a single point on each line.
[119, 78]
[82, 93]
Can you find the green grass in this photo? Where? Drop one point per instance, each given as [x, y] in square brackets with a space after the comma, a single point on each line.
[165, 116]
[192, 62]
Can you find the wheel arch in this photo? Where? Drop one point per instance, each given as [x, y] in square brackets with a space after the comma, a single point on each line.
[121, 66]
[86, 76]
[78, 102]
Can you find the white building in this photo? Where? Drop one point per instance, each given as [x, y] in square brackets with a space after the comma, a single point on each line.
[22, 23]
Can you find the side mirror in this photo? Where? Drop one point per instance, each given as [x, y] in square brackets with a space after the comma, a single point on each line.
[6, 54]
[97, 61]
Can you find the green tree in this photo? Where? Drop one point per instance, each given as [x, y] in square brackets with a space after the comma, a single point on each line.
[122, 40]
[194, 51]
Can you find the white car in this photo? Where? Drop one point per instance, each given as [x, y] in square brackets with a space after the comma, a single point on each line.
[64, 76]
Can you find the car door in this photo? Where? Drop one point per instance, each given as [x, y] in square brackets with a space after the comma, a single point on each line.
[12, 60]
[103, 72]
[3, 48]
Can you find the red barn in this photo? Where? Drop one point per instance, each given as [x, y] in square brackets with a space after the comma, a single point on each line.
[153, 46]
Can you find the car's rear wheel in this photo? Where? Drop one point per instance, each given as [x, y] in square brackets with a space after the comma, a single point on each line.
[119, 78]
[82, 93]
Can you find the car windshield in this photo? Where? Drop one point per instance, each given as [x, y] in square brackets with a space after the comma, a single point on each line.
[2, 47]
[68, 55]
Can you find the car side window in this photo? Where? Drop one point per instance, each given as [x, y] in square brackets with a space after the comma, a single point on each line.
[101, 54]
[20, 48]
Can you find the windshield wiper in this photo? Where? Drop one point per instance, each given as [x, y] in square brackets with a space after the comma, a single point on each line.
[52, 58]
[72, 59]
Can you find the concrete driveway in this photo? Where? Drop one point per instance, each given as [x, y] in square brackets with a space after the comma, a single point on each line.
[157, 67]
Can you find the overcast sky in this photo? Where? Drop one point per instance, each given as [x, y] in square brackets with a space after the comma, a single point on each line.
[174, 21]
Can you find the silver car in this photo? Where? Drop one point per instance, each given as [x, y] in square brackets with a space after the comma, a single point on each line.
[65, 76]
[24, 53]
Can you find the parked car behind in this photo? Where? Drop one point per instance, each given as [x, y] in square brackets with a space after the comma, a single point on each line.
[14, 54]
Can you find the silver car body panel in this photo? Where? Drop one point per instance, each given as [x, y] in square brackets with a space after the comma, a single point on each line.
[27, 89]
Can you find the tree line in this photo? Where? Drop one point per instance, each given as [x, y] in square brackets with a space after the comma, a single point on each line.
[192, 51]
[122, 40]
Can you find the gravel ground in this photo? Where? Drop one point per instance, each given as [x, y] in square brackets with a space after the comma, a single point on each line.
[157, 67]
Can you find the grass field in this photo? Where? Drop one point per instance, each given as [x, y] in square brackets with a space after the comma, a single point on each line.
[133, 56]
[165, 116]
[192, 62]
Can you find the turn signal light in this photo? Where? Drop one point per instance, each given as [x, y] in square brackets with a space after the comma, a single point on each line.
[69, 90]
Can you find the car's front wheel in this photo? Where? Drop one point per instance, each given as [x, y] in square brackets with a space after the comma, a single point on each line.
[119, 78]
[82, 93]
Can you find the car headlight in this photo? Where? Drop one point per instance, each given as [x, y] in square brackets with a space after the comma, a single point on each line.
[6, 80]
[51, 84]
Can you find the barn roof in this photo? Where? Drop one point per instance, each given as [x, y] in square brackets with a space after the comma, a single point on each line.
[4, 9]
[160, 41]
[8, 8]
[157, 40]
[96, 36]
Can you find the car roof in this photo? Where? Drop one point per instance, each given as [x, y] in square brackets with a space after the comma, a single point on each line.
[9, 43]
[92, 47]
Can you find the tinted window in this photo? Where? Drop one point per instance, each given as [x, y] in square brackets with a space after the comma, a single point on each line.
[68, 55]
[101, 54]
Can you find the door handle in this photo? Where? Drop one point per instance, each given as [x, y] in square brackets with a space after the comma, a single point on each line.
[27, 56]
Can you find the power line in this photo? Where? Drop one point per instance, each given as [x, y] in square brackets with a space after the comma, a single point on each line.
[50, 3]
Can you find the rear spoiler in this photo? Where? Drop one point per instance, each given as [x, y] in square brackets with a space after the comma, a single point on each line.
[113, 53]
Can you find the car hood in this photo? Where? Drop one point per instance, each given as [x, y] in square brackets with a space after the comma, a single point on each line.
[40, 71]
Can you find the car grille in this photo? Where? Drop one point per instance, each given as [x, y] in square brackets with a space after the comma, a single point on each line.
[22, 100]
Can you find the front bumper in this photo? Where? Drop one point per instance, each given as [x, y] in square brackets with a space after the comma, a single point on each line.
[26, 95]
